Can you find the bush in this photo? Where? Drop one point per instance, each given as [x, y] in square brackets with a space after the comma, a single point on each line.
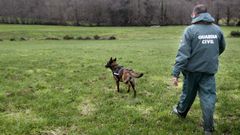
[1, 40]
[23, 39]
[238, 24]
[235, 34]
[79, 38]
[104, 38]
[12, 39]
[112, 38]
[96, 37]
[67, 37]
[87, 38]
[52, 38]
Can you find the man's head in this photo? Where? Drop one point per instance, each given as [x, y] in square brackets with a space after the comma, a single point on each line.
[198, 9]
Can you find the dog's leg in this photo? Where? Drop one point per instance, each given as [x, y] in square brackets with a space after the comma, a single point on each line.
[117, 82]
[127, 79]
[129, 86]
[133, 87]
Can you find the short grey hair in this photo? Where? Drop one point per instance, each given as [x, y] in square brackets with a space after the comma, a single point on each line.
[200, 8]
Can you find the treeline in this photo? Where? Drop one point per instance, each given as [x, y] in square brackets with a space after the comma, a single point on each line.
[114, 12]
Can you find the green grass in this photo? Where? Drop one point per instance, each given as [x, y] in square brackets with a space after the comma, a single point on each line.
[62, 87]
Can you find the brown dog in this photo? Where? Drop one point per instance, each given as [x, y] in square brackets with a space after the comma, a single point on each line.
[122, 74]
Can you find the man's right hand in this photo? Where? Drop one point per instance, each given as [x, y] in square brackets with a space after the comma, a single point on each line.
[175, 81]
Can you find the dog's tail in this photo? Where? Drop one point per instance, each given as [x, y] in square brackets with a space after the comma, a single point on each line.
[137, 75]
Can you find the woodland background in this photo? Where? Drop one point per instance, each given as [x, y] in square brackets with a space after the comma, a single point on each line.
[114, 12]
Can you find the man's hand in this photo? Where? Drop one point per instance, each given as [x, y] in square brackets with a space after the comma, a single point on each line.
[175, 81]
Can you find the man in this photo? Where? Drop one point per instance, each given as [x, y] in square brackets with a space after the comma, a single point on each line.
[197, 59]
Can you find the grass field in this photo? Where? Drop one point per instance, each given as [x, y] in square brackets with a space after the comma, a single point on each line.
[62, 87]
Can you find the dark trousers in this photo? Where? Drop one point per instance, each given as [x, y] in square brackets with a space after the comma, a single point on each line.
[203, 84]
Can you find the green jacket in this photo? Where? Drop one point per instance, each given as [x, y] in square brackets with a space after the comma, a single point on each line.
[200, 47]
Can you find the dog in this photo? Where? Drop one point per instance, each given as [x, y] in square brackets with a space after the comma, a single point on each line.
[121, 74]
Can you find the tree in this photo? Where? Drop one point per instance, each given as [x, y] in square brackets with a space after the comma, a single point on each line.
[114, 12]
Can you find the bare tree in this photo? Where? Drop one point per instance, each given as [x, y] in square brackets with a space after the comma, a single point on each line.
[113, 12]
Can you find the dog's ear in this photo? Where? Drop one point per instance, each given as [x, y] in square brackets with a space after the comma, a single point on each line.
[111, 59]
[115, 59]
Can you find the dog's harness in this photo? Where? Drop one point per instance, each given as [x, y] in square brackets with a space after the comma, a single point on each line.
[118, 72]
